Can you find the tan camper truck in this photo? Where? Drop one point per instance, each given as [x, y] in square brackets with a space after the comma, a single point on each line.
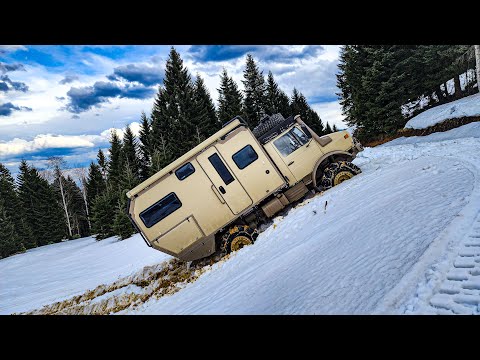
[215, 195]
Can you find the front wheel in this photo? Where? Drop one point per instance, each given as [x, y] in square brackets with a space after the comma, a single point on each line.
[337, 173]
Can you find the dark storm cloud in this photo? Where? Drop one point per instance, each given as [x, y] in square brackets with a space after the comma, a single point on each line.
[142, 73]
[7, 109]
[84, 98]
[6, 84]
[276, 53]
[4, 68]
[68, 79]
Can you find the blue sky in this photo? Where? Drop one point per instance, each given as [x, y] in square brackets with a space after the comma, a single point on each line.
[63, 100]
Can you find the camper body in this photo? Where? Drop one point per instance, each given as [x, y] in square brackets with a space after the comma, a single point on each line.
[232, 178]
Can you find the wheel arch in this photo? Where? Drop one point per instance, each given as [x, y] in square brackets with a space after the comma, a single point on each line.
[332, 155]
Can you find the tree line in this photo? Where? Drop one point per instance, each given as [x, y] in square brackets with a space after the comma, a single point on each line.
[382, 86]
[40, 208]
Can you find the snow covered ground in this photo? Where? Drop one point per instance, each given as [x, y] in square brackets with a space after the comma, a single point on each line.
[403, 237]
[467, 106]
[59, 271]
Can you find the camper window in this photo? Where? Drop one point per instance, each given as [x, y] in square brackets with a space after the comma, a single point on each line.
[160, 210]
[222, 170]
[290, 142]
[185, 171]
[245, 157]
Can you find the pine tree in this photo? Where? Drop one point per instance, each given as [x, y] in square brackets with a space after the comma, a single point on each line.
[145, 147]
[299, 106]
[334, 128]
[95, 185]
[173, 110]
[277, 100]
[255, 100]
[56, 164]
[328, 129]
[102, 163]
[130, 152]
[44, 214]
[27, 200]
[103, 214]
[229, 100]
[114, 165]
[122, 225]
[10, 244]
[204, 118]
[9, 241]
[78, 215]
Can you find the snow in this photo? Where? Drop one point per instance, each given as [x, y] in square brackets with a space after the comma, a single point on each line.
[403, 237]
[467, 106]
[364, 247]
[55, 272]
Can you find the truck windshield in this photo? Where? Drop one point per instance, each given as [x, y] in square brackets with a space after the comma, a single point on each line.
[291, 141]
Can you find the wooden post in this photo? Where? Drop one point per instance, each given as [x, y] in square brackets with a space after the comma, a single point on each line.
[477, 57]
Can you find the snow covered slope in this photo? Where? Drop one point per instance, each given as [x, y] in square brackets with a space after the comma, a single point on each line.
[403, 237]
[467, 106]
[362, 247]
[59, 271]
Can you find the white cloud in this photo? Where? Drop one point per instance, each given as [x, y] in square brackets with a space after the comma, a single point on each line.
[330, 112]
[19, 146]
[11, 48]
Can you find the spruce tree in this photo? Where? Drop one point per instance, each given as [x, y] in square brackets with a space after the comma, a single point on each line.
[299, 106]
[27, 199]
[102, 163]
[145, 147]
[9, 240]
[334, 128]
[95, 185]
[328, 129]
[277, 100]
[255, 100]
[229, 100]
[114, 165]
[204, 117]
[103, 214]
[130, 152]
[122, 225]
[13, 213]
[173, 110]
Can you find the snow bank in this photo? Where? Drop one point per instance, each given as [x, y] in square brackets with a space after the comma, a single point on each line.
[55, 272]
[467, 106]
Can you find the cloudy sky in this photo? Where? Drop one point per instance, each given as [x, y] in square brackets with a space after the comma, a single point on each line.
[63, 100]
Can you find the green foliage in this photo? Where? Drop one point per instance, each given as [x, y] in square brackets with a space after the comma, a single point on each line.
[229, 99]
[255, 100]
[376, 81]
[145, 147]
[299, 106]
[277, 100]
[204, 120]
[103, 214]
[9, 240]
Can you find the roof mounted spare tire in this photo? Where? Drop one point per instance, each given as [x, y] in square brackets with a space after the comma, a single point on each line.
[267, 124]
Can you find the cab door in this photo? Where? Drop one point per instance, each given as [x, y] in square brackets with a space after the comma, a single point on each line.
[298, 151]
[225, 185]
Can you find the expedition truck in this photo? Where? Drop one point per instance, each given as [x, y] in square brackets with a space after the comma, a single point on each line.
[214, 197]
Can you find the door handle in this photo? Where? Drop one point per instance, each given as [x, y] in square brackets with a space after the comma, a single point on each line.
[222, 190]
[291, 163]
[214, 189]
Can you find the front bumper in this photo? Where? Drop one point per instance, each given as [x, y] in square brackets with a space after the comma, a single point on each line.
[357, 146]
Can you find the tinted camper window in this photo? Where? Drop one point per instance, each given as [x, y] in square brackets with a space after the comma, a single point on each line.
[222, 170]
[160, 210]
[185, 171]
[245, 157]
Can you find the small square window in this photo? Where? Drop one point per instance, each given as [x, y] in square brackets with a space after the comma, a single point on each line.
[185, 171]
[245, 157]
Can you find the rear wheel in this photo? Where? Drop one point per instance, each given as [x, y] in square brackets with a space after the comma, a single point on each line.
[237, 237]
[336, 173]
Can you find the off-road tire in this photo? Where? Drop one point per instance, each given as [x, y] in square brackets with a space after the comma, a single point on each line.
[236, 236]
[267, 124]
[338, 172]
